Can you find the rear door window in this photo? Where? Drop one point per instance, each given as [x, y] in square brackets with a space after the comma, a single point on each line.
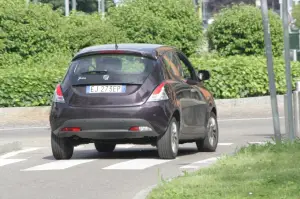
[110, 69]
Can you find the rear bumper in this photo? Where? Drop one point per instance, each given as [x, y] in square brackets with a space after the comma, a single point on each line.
[111, 123]
[105, 129]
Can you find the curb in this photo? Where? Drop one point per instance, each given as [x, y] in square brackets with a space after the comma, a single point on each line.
[15, 117]
[9, 147]
[143, 194]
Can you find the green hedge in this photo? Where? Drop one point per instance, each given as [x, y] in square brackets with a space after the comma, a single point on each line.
[171, 22]
[231, 77]
[32, 83]
[243, 76]
[32, 30]
[239, 31]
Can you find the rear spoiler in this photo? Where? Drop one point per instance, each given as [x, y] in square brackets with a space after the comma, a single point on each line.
[109, 52]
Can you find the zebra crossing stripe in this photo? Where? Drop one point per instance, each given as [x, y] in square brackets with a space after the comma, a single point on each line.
[58, 165]
[4, 162]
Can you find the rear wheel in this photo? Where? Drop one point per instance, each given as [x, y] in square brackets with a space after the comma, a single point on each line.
[168, 144]
[210, 142]
[62, 148]
[105, 147]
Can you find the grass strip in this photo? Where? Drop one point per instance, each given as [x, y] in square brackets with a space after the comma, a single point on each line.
[256, 171]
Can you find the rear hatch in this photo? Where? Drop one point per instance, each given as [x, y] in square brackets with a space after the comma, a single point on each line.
[102, 80]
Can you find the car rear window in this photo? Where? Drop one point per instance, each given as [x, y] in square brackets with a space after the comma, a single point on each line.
[108, 69]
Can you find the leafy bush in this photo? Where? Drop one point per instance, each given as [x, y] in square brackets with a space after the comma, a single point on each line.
[232, 77]
[32, 30]
[33, 82]
[243, 76]
[88, 29]
[296, 15]
[239, 31]
[171, 22]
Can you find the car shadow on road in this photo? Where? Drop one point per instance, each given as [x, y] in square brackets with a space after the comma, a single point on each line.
[136, 153]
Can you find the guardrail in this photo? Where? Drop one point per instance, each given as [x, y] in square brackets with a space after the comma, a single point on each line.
[296, 113]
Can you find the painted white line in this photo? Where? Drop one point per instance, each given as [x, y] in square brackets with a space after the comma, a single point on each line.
[25, 128]
[125, 146]
[4, 162]
[58, 165]
[246, 119]
[200, 163]
[136, 164]
[225, 144]
[14, 153]
[260, 143]
[79, 147]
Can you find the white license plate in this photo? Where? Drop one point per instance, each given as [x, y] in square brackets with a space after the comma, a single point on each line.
[106, 89]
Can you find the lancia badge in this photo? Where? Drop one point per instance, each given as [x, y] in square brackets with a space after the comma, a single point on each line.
[105, 77]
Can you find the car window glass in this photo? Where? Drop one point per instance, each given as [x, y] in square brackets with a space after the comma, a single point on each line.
[119, 68]
[187, 71]
[171, 66]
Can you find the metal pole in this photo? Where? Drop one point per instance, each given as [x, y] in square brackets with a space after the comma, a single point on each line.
[27, 3]
[74, 5]
[67, 7]
[288, 69]
[103, 8]
[272, 86]
[99, 6]
[287, 129]
[296, 111]
[280, 3]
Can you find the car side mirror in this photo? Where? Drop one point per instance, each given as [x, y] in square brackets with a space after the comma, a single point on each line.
[203, 75]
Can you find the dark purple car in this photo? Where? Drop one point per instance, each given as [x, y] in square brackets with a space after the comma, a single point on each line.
[132, 93]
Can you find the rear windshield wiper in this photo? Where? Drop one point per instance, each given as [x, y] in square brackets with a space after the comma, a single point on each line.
[102, 72]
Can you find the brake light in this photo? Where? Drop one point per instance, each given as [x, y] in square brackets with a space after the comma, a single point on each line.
[72, 129]
[58, 95]
[140, 128]
[159, 93]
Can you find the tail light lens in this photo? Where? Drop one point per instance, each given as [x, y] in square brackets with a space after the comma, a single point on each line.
[72, 129]
[159, 94]
[58, 95]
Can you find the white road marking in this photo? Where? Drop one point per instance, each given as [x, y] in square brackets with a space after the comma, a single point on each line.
[24, 128]
[58, 165]
[246, 119]
[125, 146]
[200, 163]
[136, 164]
[225, 144]
[14, 153]
[4, 162]
[260, 143]
[79, 147]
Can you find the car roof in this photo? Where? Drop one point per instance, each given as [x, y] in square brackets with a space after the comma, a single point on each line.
[143, 48]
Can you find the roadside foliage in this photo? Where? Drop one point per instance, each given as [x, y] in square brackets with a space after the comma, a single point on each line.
[239, 31]
[37, 44]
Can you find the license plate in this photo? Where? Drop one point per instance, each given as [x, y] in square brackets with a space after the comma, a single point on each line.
[106, 89]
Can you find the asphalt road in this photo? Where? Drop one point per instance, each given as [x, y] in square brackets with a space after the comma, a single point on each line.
[33, 173]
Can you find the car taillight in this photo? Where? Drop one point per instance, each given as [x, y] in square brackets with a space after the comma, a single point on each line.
[72, 129]
[159, 93]
[140, 128]
[58, 95]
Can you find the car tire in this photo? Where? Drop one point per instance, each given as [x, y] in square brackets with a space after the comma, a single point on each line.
[168, 144]
[105, 147]
[62, 148]
[210, 142]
